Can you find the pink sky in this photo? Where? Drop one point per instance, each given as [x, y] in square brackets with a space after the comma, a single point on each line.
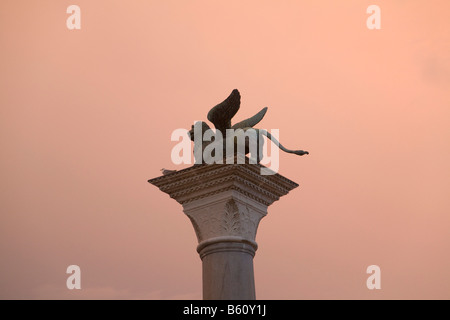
[86, 117]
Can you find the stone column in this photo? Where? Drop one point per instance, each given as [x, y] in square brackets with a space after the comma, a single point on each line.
[225, 203]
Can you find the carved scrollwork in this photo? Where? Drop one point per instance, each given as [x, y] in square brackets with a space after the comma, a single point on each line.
[230, 218]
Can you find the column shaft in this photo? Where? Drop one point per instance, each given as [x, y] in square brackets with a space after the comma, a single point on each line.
[228, 271]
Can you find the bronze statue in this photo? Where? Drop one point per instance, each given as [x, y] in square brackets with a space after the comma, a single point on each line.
[221, 116]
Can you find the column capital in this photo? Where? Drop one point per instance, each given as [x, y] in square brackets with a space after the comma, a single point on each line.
[224, 201]
[205, 180]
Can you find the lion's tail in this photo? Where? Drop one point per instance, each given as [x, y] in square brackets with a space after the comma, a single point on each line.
[279, 145]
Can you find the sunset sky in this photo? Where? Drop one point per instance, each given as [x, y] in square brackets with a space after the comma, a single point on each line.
[86, 118]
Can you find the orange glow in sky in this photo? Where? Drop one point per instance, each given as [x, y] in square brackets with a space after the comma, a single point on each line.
[86, 118]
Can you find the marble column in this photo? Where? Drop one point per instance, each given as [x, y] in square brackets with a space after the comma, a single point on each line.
[225, 203]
